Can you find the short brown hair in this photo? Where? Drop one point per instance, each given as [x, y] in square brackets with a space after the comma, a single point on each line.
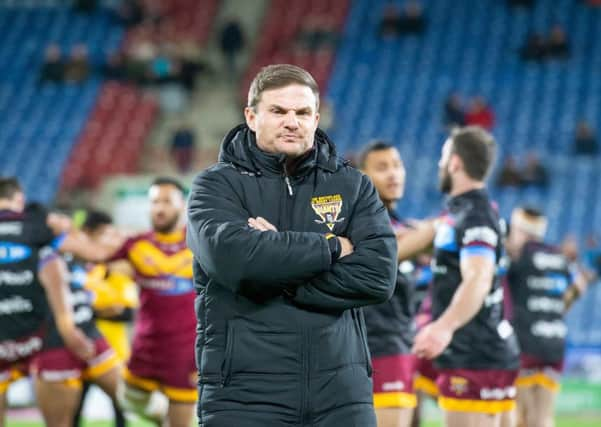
[476, 148]
[9, 186]
[278, 76]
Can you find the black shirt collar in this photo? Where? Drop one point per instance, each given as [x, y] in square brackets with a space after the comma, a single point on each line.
[455, 202]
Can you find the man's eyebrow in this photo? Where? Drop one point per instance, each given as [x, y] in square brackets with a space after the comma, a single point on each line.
[298, 110]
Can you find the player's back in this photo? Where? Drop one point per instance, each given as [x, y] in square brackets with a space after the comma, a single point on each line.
[538, 281]
[81, 303]
[24, 243]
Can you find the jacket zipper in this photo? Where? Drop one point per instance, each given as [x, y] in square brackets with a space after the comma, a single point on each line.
[287, 181]
[285, 216]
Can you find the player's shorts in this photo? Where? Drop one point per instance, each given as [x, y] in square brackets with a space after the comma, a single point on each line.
[536, 372]
[484, 391]
[60, 365]
[173, 373]
[10, 374]
[425, 378]
[16, 357]
[393, 381]
[116, 334]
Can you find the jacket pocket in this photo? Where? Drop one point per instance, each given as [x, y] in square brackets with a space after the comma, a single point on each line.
[258, 349]
[226, 366]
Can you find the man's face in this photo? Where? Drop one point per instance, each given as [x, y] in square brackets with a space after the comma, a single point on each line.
[445, 182]
[166, 207]
[285, 120]
[104, 233]
[515, 240]
[16, 203]
[387, 172]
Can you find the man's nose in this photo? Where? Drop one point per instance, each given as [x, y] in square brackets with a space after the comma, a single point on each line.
[290, 120]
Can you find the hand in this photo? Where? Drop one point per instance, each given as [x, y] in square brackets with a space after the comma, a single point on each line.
[346, 246]
[261, 224]
[402, 232]
[431, 341]
[111, 311]
[80, 345]
[59, 223]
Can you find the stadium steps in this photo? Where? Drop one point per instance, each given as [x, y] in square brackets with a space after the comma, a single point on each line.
[213, 108]
[113, 140]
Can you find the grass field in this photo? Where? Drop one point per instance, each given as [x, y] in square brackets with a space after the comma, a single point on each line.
[561, 422]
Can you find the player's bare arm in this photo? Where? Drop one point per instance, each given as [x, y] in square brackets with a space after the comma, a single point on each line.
[477, 273]
[412, 241]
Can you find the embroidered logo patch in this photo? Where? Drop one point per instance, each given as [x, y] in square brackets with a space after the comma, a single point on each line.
[458, 385]
[328, 208]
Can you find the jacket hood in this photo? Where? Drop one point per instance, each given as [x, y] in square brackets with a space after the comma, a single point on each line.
[239, 147]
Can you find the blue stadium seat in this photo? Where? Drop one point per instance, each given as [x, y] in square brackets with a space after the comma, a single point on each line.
[41, 123]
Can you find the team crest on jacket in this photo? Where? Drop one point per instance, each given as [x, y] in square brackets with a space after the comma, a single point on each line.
[328, 208]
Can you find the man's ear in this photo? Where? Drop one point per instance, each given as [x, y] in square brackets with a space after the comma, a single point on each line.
[455, 163]
[251, 118]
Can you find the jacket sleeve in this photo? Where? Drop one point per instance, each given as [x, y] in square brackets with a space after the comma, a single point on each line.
[239, 257]
[368, 275]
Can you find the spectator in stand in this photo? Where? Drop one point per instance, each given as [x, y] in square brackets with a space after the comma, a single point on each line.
[231, 43]
[535, 48]
[535, 173]
[78, 68]
[140, 53]
[558, 45]
[183, 148]
[509, 176]
[153, 11]
[53, 69]
[391, 18]
[412, 21]
[114, 68]
[163, 69]
[480, 114]
[86, 6]
[130, 12]
[317, 33]
[453, 111]
[593, 254]
[585, 141]
[521, 3]
[395, 23]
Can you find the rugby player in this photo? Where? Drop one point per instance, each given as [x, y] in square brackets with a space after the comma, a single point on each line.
[58, 372]
[32, 281]
[115, 298]
[389, 325]
[476, 350]
[162, 356]
[541, 288]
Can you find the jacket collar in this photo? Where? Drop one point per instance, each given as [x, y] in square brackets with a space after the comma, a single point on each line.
[239, 147]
